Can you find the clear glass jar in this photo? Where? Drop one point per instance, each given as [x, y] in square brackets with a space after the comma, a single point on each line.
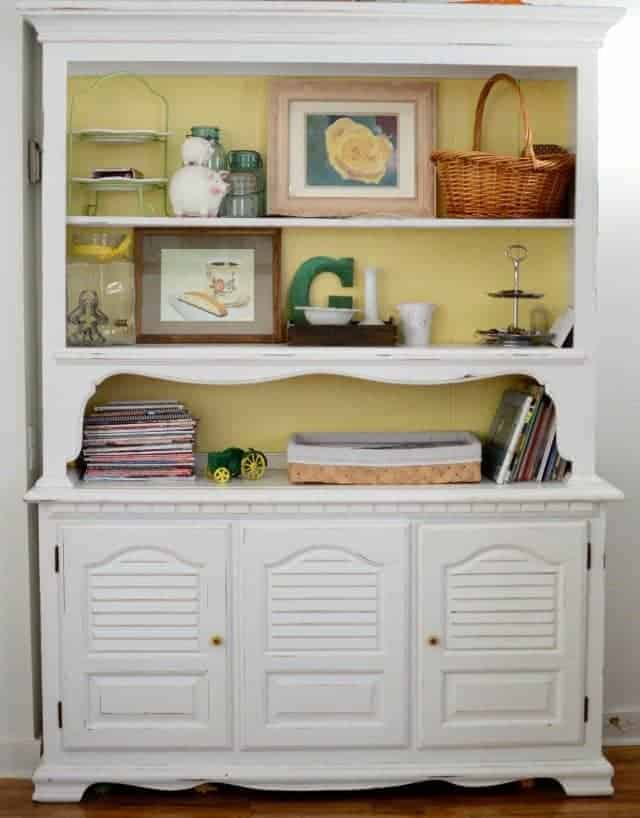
[242, 207]
[211, 133]
[100, 290]
[248, 161]
[244, 200]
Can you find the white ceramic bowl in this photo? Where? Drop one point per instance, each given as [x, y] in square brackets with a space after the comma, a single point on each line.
[328, 316]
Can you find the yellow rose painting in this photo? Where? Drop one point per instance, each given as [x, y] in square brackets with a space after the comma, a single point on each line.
[351, 150]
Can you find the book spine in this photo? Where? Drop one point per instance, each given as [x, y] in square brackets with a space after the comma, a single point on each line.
[521, 449]
[539, 405]
[539, 443]
[513, 442]
[551, 464]
[548, 449]
[533, 439]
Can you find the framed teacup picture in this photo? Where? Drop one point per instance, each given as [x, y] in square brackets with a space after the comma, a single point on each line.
[351, 148]
[207, 285]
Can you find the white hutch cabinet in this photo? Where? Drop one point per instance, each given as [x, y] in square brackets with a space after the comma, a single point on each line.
[309, 637]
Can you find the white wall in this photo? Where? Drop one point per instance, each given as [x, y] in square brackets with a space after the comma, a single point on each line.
[619, 394]
[18, 749]
[619, 363]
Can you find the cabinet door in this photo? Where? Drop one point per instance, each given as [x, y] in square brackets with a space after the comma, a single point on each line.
[502, 633]
[323, 618]
[140, 606]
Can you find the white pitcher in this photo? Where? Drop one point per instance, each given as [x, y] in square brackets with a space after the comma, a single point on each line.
[415, 323]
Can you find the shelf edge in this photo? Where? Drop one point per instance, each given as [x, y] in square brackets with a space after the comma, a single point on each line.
[575, 490]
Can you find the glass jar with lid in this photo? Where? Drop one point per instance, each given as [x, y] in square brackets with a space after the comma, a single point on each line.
[100, 290]
[244, 199]
[211, 133]
[246, 196]
[247, 160]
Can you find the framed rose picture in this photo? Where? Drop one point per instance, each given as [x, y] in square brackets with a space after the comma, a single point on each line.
[351, 148]
[207, 285]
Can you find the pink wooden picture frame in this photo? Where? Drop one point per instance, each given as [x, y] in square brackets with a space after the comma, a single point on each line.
[407, 105]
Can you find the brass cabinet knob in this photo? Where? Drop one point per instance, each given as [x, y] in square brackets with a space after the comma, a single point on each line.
[216, 640]
[433, 641]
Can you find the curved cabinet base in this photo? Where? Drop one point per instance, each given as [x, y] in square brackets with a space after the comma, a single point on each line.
[54, 783]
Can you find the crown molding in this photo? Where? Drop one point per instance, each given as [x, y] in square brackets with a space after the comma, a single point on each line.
[318, 21]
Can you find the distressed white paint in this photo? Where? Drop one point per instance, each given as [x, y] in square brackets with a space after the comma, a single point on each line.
[543, 41]
[490, 596]
[325, 638]
[19, 749]
[327, 619]
[140, 607]
[557, 39]
[289, 222]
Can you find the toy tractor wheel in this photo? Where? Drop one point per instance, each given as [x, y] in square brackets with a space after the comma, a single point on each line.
[221, 475]
[253, 466]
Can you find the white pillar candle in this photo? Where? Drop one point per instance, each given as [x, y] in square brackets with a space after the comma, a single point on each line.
[371, 297]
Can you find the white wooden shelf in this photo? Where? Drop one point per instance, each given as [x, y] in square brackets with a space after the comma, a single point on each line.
[275, 488]
[254, 353]
[354, 223]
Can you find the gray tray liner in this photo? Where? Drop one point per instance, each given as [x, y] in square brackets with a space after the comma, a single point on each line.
[385, 449]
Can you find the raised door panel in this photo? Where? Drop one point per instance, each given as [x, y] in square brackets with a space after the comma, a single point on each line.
[140, 605]
[323, 612]
[501, 634]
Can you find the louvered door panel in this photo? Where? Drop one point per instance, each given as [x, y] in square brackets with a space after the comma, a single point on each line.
[140, 604]
[324, 635]
[502, 575]
[502, 629]
[306, 581]
[144, 621]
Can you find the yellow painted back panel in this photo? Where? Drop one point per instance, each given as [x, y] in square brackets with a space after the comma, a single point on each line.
[454, 269]
[265, 415]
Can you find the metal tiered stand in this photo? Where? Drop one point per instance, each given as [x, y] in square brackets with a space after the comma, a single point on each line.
[119, 136]
[514, 335]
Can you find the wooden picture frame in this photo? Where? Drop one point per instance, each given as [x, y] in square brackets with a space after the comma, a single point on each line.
[370, 127]
[208, 285]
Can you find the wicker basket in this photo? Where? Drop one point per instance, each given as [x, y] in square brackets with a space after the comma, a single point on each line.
[392, 476]
[493, 186]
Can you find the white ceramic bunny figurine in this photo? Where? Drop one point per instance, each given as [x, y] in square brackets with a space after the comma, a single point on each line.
[195, 189]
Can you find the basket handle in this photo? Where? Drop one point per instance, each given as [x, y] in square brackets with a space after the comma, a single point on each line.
[482, 99]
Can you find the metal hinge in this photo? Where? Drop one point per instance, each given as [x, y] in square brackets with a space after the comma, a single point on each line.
[56, 559]
[60, 715]
[588, 556]
[586, 709]
[34, 162]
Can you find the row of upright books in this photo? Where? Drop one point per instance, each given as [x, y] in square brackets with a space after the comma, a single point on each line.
[522, 445]
[139, 440]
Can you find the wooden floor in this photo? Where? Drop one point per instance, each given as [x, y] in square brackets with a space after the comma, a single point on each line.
[545, 800]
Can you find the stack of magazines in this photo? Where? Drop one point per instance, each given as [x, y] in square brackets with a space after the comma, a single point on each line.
[522, 443]
[139, 440]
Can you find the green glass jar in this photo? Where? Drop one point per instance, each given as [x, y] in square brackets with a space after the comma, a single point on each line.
[244, 160]
[211, 133]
